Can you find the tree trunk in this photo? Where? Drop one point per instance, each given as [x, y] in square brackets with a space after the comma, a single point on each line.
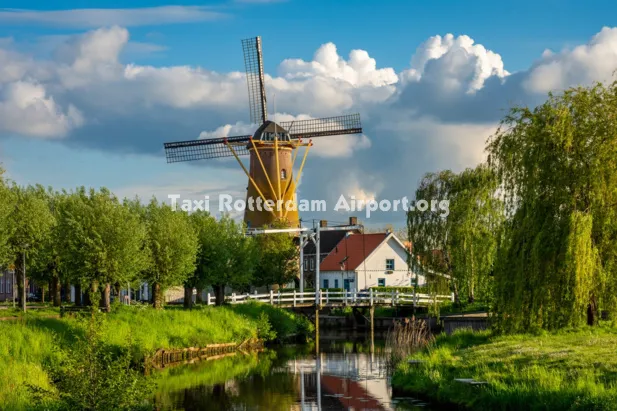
[43, 295]
[591, 312]
[78, 301]
[55, 291]
[188, 297]
[93, 295]
[198, 299]
[157, 296]
[106, 298]
[65, 291]
[219, 293]
[19, 271]
[118, 289]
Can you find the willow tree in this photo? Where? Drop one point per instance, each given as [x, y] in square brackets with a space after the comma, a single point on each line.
[457, 246]
[558, 166]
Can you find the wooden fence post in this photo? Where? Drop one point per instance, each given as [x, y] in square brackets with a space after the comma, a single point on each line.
[397, 297]
[208, 299]
[233, 298]
[271, 297]
[370, 296]
[294, 297]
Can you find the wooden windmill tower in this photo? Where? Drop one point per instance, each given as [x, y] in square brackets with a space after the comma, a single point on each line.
[272, 149]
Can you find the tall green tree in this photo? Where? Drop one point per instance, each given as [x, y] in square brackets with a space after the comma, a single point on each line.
[46, 268]
[462, 242]
[173, 245]
[32, 222]
[101, 242]
[557, 264]
[277, 258]
[226, 257]
[7, 204]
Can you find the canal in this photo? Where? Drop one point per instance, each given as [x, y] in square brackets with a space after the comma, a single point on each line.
[349, 372]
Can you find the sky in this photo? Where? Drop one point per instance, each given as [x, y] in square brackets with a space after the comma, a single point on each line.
[90, 91]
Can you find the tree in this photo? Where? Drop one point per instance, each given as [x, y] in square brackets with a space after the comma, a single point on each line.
[32, 222]
[101, 241]
[173, 246]
[557, 264]
[7, 204]
[277, 258]
[45, 270]
[226, 257]
[460, 244]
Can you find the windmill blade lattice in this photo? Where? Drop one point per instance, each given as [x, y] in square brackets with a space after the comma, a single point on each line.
[321, 127]
[206, 148]
[253, 63]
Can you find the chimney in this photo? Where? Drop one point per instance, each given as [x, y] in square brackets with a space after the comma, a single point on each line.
[353, 220]
[323, 223]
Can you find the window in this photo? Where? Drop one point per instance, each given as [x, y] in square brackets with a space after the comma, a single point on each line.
[2, 282]
[283, 174]
[306, 264]
[390, 264]
[335, 283]
[312, 261]
[326, 283]
[381, 282]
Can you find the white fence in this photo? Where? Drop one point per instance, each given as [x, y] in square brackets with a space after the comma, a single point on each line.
[371, 297]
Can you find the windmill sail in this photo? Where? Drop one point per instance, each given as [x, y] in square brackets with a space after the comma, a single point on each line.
[206, 148]
[253, 63]
[321, 127]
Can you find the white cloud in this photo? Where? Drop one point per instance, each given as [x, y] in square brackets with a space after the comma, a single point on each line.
[359, 70]
[454, 63]
[26, 109]
[94, 18]
[584, 64]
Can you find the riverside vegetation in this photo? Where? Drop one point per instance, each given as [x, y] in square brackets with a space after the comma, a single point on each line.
[96, 362]
[531, 234]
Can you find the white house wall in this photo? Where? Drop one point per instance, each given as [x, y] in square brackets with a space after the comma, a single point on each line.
[365, 277]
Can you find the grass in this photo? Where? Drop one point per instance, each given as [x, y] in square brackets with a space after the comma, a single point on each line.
[29, 343]
[569, 370]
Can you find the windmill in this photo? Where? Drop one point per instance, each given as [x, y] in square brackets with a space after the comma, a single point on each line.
[272, 149]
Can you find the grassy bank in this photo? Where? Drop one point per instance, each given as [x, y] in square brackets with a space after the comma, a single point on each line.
[30, 345]
[575, 370]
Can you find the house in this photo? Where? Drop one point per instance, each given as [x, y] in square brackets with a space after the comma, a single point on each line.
[361, 261]
[6, 285]
[328, 240]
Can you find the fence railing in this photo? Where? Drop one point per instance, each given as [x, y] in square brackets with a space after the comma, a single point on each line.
[325, 297]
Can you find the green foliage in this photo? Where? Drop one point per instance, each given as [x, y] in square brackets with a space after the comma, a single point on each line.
[461, 245]
[95, 376]
[226, 257]
[7, 203]
[558, 167]
[100, 240]
[534, 372]
[172, 244]
[284, 323]
[278, 255]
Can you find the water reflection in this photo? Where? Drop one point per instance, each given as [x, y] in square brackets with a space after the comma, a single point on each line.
[347, 374]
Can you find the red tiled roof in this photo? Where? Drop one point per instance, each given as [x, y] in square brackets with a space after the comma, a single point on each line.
[356, 247]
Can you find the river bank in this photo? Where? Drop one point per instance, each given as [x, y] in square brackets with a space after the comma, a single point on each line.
[32, 346]
[569, 370]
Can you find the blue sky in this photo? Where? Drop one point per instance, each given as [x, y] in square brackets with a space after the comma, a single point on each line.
[104, 144]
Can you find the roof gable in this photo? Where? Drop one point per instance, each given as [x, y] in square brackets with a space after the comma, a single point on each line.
[355, 247]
